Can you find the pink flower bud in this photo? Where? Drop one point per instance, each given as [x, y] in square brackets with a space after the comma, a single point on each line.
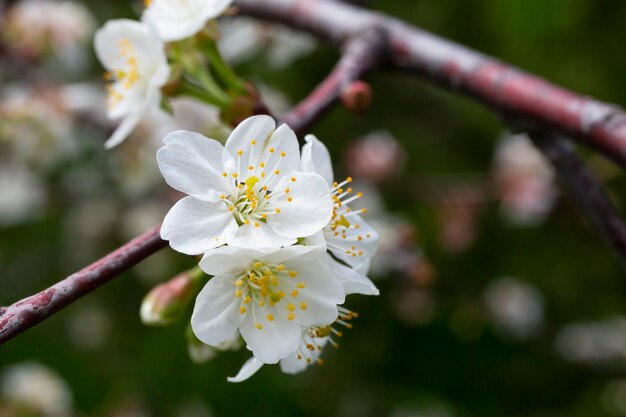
[167, 302]
[357, 96]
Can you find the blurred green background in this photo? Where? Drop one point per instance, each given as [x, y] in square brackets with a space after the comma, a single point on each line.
[434, 343]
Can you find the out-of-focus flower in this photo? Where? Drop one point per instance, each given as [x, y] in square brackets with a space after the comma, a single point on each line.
[30, 387]
[179, 19]
[136, 65]
[247, 194]
[200, 352]
[515, 307]
[594, 343]
[243, 38]
[32, 26]
[375, 157]
[268, 297]
[35, 126]
[524, 179]
[22, 195]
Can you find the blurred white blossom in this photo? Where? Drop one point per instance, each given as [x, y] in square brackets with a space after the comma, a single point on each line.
[31, 387]
[515, 307]
[524, 180]
[22, 195]
[594, 342]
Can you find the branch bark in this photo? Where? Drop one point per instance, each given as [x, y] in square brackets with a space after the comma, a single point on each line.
[26, 313]
[585, 190]
[502, 87]
[360, 54]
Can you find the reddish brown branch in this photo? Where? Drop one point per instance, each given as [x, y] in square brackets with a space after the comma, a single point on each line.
[498, 85]
[24, 314]
[360, 54]
[585, 190]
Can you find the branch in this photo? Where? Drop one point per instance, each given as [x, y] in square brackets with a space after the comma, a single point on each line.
[585, 190]
[24, 314]
[502, 87]
[360, 54]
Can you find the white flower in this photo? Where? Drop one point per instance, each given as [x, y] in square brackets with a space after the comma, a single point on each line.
[268, 297]
[179, 19]
[135, 60]
[246, 194]
[347, 237]
[312, 343]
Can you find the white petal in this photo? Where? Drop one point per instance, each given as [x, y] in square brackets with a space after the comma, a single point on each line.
[276, 340]
[262, 237]
[317, 239]
[129, 123]
[193, 226]
[353, 282]
[304, 210]
[255, 128]
[287, 253]
[284, 158]
[364, 239]
[194, 164]
[321, 293]
[292, 365]
[228, 260]
[316, 158]
[248, 369]
[216, 313]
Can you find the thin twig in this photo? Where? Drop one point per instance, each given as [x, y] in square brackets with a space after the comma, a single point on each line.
[585, 190]
[502, 87]
[360, 54]
[24, 314]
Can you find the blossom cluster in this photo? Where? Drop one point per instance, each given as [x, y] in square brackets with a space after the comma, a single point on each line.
[277, 235]
[139, 65]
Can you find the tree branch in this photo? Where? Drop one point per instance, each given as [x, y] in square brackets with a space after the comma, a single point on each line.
[502, 87]
[360, 54]
[585, 190]
[24, 314]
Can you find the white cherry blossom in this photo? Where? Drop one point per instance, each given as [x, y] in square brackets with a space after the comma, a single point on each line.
[137, 68]
[268, 297]
[245, 194]
[312, 343]
[179, 19]
[347, 236]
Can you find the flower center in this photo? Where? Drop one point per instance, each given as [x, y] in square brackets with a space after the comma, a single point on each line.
[125, 77]
[270, 286]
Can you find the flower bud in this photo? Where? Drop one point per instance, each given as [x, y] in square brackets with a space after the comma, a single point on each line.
[357, 96]
[167, 302]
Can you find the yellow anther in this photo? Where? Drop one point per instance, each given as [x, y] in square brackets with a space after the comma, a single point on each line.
[256, 224]
[250, 167]
[258, 326]
[280, 267]
[287, 190]
[238, 293]
[320, 362]
[258, 264]
[300, 285]
[264, 216]
[277, 210]
[272, 150]
[294, 293]
[281, 294]
[253, 142]
[247, 221]
[224, 174]
[293, 179]
[282, 154]
[359, 195]
[293, 274]
[239, 152]
[262, 174]
[303, 305]
[262, 164]
[277, 172]
[239, 283]
[349, 180]
[234, 175]
[247, 299]
[291, 316]
[242, 310]
[231, 208]
[270, 317]
[291, 307]
[289, 199]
